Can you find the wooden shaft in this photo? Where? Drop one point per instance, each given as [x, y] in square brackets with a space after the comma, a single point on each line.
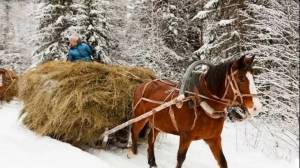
[143, 116]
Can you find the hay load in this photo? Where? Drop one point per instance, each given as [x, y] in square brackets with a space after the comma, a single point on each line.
[75, 102]
[8, 85]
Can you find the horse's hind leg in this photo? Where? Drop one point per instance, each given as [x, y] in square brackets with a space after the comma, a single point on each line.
[135, 131]
[216, 148]
[151, 141]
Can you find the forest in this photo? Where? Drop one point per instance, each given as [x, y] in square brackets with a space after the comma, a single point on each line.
[167, 36]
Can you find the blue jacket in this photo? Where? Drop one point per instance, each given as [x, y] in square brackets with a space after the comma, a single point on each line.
[82, 52]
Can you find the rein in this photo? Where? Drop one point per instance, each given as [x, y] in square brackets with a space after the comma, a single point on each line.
[230, 82]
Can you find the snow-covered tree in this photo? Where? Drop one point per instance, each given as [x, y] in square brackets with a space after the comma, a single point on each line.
[221, 25]
[54, 20]
[172, 20]
[272, 35]
[89, 20]
[16, 30]
[140, 42]
[61, 19]
[267, 29]
[99, 30]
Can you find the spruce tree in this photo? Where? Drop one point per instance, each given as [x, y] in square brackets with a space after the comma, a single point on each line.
[61, 19]
[54, 20]
[268, 30]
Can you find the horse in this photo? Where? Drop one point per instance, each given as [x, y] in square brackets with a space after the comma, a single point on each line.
[227, 84]
[6, 79]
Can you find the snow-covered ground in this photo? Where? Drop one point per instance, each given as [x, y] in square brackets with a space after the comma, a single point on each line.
[19, 147]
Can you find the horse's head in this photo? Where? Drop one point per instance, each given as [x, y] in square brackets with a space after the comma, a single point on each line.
[230, 84]
[241, 89]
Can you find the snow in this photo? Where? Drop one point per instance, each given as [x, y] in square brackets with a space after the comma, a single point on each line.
[201, 15]
[226, 22]
[271, 34]
[211, 4]
[21, 147]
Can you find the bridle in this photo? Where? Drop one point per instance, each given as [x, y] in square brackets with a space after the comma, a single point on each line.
[230, 82]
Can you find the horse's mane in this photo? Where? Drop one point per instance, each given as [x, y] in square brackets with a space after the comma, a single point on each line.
[215, 77]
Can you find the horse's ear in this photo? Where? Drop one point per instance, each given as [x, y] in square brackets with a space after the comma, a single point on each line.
[248, 61]
[243, 62]
[239, 63]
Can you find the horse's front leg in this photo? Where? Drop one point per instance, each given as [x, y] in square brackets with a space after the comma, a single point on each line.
[216, 148]
[183, 148]
[151, 141]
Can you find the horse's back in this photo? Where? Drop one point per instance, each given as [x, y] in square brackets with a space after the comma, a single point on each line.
[156, 93]
[156, 89]
[164, 91]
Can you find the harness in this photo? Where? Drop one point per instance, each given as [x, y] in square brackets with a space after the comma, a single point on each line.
[196, 97]
[230, 82]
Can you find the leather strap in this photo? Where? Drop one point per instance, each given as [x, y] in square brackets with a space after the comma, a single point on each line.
[173, 119]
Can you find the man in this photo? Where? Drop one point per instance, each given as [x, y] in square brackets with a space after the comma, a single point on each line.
[79, 51]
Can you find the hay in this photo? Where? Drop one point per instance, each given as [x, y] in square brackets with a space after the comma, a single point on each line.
[75, 102]
[8, 85]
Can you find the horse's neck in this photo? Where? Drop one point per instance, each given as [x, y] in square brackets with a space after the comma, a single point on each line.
[204, 90]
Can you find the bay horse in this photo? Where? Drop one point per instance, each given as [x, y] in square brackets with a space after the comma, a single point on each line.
[226, 84]
[6, 79]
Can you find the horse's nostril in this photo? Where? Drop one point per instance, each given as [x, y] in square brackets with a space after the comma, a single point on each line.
[254, 109]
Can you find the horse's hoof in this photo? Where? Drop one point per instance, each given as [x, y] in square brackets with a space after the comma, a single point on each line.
[130, 154]
[153, 166]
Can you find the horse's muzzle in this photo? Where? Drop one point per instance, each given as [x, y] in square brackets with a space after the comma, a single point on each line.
[237, 113]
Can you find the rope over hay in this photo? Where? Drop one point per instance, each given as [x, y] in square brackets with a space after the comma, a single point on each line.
[75, 102]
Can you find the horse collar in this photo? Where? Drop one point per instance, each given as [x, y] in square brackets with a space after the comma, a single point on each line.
[229, 82]
[208, 109]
